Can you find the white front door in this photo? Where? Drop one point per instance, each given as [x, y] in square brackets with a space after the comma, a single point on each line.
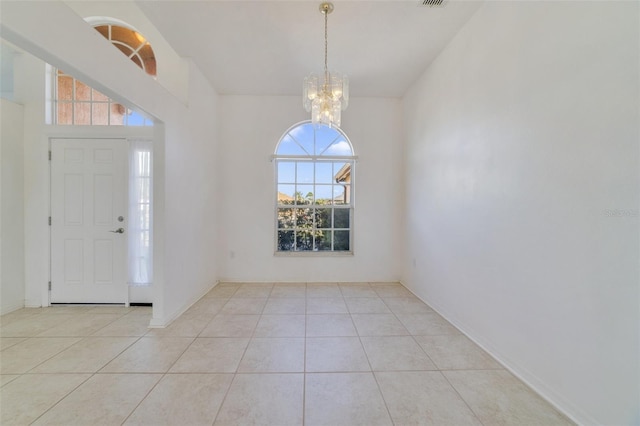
[88, 220]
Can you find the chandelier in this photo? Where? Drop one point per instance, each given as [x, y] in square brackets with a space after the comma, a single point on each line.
[326, 95]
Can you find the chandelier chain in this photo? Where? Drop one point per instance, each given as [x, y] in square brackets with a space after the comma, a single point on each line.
[326, 44]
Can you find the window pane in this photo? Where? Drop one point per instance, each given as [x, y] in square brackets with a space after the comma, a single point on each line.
[323, 218]
[146, 215]
[303, 135]
[144, 161]
[341, 240]
[304, 194]
[324, 172]
[125, 35]
[134, 118]
[285, 240]
[117, 114]
[325, 136]
[286, 218]
[342, 172]
[286, 194]
[341, 218]
[323, 194]
[145, 239]
[65, 113]
[304, 240]
[99, 97]
[288, 146]
[340, 147]
[65, 88]
[305, 172]
[148, 58]
[143, 216]
[83, 92]
[104, 30]
[339, 194]
[100, 113]
[82, 113]
[135, 58]
[323, 241]
[304, 219]
[144, 188]
[286, 172]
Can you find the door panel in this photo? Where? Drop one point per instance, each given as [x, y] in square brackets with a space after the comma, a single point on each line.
[88, 194]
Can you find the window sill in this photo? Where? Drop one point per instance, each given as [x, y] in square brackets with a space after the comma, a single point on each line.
[313, 254]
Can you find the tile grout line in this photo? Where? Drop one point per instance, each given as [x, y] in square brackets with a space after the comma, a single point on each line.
[460, 396]
[304, 370]
[235, 373]
[375, 379]
[91, 374]
[63, 397]
[432, 361]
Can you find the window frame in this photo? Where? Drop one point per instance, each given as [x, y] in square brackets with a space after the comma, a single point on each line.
[73, 103]
[315, 159]
[96, 100]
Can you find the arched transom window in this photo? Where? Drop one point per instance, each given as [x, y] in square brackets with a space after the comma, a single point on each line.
[78, 104]
[130, 42]
[314, 190]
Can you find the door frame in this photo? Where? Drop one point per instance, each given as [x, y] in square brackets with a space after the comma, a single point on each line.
[88, 132]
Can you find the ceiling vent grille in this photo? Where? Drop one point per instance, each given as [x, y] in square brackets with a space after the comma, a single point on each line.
[433, 3]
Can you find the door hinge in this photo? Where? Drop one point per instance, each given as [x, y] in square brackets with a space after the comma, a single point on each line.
[49, 220]
[49, 285]
[49, 155]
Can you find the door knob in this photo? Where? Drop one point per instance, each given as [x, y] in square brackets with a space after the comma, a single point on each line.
[118, 231]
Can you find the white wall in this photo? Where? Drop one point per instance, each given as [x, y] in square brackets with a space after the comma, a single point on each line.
[11, 207]
[522, 196]
[191, 197]
[251, 126]
[184, 149]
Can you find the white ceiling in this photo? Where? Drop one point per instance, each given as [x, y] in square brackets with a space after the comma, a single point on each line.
[268, 47]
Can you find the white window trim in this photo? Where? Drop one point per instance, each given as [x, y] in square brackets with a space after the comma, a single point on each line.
[353, 159]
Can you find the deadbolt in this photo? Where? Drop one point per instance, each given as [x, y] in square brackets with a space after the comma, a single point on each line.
[120, 219]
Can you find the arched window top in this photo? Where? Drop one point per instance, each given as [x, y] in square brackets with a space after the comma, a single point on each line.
[128, 40]
[308, 140]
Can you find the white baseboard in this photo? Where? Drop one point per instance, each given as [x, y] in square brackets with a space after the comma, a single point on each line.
[165, 322]
[558, 401]
[10, 308]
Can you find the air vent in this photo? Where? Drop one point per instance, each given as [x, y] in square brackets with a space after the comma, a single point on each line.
[433, 3]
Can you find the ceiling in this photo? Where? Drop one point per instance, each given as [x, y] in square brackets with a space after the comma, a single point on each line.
[268, 47]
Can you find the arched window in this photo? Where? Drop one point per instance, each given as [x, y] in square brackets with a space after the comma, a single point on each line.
[130, 42]
[78, 104]
[314, 190]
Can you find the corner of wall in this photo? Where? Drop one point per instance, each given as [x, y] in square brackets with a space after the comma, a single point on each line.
[12, 254]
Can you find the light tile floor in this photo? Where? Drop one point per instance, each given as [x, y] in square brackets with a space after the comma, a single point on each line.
[271, 354]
